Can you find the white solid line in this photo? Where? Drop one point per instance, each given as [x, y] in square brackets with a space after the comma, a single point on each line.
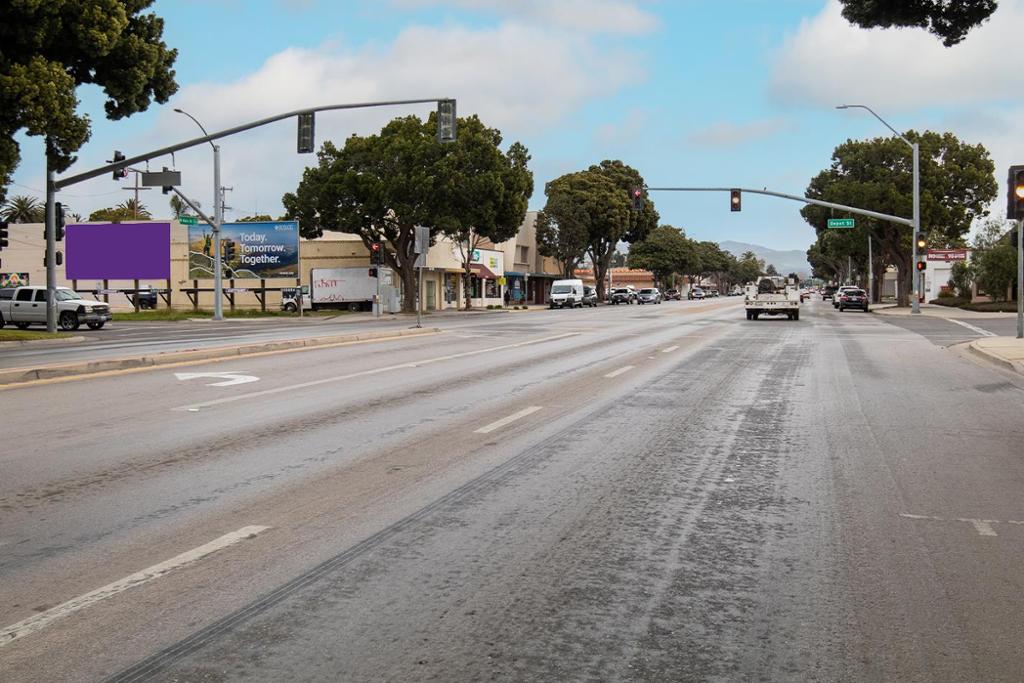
[669, 349]
[41, 620]
[366, 373]
[909, 516]
[616, 373]
[973, 328]
[498, 424]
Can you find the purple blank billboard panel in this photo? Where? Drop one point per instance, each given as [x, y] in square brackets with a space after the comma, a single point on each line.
[118, 251]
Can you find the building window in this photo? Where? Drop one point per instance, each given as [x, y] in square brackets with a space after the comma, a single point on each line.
[522, 254]
[492, 289]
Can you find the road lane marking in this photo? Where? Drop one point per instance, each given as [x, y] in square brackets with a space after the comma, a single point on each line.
[616, 373]
[669, 349]
[192, 407]
[230, 378]
[498, 424]
[43, 619]
[982, 526]
[973, 328]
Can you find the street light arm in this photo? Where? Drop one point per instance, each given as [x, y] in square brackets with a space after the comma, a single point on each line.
[201, 126]
[102, 170]
[884, 122]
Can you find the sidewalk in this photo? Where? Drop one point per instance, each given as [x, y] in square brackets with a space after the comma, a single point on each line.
[938, 312]
[1007, 352]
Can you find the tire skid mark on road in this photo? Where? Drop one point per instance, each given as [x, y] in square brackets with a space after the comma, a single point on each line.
[493, 479]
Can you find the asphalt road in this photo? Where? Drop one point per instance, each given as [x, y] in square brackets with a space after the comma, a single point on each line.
[659, 493]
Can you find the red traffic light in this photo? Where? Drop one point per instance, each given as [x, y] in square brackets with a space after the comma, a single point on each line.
[922, 265]
[375, 246]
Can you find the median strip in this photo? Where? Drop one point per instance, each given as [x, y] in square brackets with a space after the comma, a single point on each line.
[498, 424]
[43, 619]
[13, 377]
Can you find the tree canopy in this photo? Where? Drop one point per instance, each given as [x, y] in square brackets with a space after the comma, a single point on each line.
[665, 251]
[380, 187]
[957, 185]
[51, 48]
[23, 209]
[950, 20]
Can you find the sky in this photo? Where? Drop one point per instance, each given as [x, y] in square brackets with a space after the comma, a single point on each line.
[708, 93]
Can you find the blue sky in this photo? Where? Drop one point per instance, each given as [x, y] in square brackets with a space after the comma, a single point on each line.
[690, 92]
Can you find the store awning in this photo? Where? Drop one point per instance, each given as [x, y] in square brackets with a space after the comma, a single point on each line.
[482, 271]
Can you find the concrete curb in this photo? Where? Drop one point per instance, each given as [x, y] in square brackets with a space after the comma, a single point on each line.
[42, 342]
[21, 375]
[992, 358]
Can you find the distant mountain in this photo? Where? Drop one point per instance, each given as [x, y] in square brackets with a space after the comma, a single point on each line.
[792, 261]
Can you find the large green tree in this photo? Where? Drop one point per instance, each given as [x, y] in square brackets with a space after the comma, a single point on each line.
[48, 48]
[957, 185]
[125, 211]
[616, 221]
[950, 20]
[665, 251]
[579, 205]
[380, 187]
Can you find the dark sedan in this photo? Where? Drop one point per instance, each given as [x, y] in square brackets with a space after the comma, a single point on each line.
[853, 298]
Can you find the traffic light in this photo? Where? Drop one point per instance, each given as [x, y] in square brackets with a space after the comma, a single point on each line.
[376, 253]
[373, 272]
[3, 235]
[58, 222]
[922, 265]
[637, 197]
[735, 200]
[228, 249]
[446, 121]
[307, 124]
[119, 173]
[922, 240]
[1015, 194]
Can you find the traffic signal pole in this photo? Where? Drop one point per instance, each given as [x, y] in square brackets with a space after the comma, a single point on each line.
[1020, 278]
[446, 133]
[218, 218]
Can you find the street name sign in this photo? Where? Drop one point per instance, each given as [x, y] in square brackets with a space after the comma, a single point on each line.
[840, 222]
[187, 220]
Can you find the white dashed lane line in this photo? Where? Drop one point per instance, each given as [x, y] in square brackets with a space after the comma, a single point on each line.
[44, 619]
[498, 424]
[616, 373]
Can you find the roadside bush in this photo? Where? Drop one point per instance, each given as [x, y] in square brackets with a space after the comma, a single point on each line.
[960, 279]
[992, 307]
[947, 294]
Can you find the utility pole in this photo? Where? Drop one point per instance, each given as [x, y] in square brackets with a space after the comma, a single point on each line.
[136, 187]
[51, 246]
[871, 274]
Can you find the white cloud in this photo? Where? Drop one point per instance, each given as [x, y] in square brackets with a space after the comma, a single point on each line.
[517, 78]
[625, 131]
[827, 61]
[589, 16]
[728, 134]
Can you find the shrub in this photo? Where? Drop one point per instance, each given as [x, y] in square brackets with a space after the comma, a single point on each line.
[992, 307]
[952, 301]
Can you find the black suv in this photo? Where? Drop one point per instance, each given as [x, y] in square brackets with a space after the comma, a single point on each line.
[622, 295]
[829, 293]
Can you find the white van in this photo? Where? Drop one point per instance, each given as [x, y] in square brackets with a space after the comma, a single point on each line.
[567, 294]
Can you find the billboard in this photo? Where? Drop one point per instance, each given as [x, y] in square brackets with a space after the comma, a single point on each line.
[118, 251]
[248, 250]
[947, 255]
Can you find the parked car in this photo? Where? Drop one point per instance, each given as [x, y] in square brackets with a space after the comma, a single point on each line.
[622, 295]
[566, 294]
[589, 296]
[672, 295]
[26, 306]
[839, 294]
[649, 295]
[853, 298]
[695, 293]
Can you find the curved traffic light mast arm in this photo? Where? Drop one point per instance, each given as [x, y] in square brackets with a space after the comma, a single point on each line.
[797, 198]
[95, 173]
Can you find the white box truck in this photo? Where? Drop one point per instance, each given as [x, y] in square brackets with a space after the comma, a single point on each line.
[343, 288]
[772, 295]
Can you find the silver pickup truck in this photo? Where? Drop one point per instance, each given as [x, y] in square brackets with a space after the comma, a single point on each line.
[24, 306]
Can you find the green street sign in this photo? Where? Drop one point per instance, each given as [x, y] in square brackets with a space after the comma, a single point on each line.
[840, 222]
[188, 220]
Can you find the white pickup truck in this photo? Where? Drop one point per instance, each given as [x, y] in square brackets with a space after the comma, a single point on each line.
[24, 306]
[772, 295]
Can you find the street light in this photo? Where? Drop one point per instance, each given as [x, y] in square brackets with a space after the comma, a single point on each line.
[218, 218]
[914, 304]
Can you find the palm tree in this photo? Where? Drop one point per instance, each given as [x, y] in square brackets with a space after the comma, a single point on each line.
[23, 209]
[179, 207]
[133, 209]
